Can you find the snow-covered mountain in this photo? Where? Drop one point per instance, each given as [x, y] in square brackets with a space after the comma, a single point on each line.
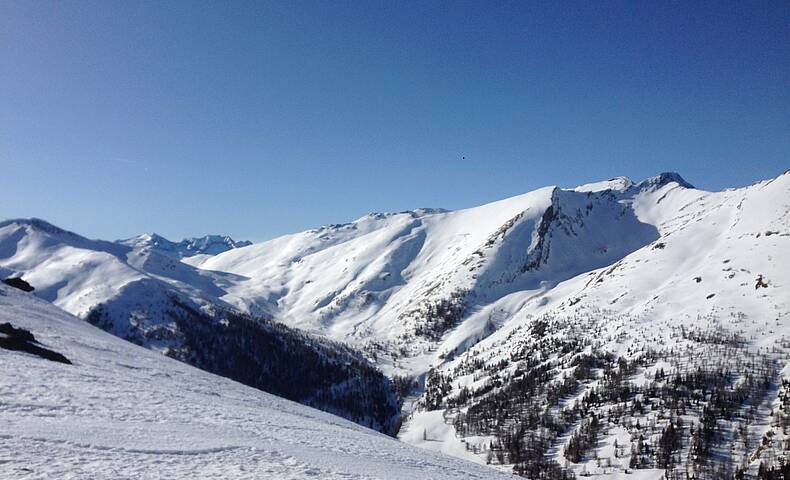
[402, 281]
[672, 361]
[77, 274]
[188, 247]
[571, 291]
[156, 301]
[602, 329]
[120, 411]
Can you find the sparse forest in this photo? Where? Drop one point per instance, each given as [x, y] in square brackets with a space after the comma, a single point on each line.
[595, 393]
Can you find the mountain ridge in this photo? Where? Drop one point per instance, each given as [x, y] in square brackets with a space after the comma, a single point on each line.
[187, 247]
[153, 300]
[547, 301]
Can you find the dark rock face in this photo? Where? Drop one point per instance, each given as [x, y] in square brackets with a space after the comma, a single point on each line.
[19, 339]
[18, 283]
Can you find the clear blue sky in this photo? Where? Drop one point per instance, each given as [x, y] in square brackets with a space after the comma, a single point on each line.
[264, 118]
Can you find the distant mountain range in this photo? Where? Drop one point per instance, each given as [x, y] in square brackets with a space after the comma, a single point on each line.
[188, 247]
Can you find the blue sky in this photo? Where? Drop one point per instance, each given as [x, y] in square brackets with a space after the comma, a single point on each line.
[264, 118]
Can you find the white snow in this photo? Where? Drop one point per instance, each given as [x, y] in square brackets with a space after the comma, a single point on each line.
[617, 183]
[121, 411]
[430, 430]
[702, 269]
[652, 255]
[371, 279]
[188, 247]
[77, 274]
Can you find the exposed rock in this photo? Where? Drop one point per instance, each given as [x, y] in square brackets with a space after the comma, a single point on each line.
[17, 282]
[19, 339]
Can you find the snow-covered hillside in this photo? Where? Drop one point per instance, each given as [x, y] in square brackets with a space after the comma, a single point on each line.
[602, 329]
[77, 274]
[403, 285]
[566, 284]
[120, 411]
[670, 361]
[188, 247]
[156, 301]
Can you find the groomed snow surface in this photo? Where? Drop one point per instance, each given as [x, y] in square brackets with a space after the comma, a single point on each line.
[121, 411]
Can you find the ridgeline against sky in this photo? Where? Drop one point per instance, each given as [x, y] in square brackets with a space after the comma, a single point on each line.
[256, 119]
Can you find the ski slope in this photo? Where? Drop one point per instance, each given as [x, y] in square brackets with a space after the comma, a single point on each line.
[121, 411]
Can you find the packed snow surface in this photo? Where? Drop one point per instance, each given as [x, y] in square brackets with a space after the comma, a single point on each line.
[121, 411]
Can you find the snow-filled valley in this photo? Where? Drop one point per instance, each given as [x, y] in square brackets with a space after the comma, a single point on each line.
[618, 329]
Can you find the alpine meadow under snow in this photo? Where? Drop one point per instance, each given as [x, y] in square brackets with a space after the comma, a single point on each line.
[618, 329]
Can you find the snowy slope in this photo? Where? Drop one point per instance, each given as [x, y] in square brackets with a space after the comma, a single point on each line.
[156, 301]
[398, 283]
[188, 247]
[121, 411]
[711, 295]
[78, 274]
[404, 280]
[533, 307]
[554, 279]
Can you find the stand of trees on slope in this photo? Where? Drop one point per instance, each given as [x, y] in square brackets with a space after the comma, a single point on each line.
[694, 412]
